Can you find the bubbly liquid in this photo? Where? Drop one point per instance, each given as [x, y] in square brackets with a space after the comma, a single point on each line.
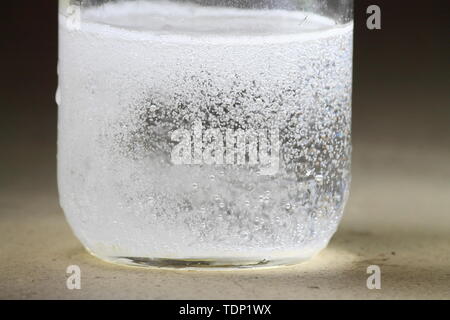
[135, 72]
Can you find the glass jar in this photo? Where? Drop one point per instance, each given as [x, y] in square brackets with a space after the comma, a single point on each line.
[204, 133]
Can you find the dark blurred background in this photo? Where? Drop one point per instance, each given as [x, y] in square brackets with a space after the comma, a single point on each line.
[401, 85]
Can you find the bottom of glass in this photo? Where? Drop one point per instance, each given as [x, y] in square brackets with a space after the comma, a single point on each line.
[212, 264]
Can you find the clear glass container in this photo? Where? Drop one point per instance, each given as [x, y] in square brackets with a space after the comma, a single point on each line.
[204, 134]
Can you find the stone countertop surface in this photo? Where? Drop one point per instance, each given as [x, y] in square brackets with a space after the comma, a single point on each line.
[397, 217]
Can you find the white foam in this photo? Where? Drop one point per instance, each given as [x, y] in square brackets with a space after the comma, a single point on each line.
[167, 21]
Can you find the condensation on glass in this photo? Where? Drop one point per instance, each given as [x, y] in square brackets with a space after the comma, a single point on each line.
[204, 134]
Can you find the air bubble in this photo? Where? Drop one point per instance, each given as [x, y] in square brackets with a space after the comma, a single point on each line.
[319, 178]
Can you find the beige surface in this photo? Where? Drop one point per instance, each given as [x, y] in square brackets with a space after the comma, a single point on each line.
[398, 217]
